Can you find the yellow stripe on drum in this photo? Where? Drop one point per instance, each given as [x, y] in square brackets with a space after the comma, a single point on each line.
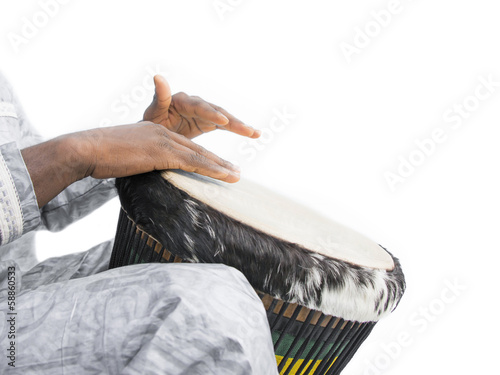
[298, 364]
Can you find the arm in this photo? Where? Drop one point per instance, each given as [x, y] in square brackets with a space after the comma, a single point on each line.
[117, 152]
[132, 149]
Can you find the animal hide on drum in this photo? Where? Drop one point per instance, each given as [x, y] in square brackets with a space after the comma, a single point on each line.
[197, 232]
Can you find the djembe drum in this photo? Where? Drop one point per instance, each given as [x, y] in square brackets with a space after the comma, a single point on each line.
[323, 286]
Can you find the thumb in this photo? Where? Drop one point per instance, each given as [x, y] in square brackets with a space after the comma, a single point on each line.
[163, 95]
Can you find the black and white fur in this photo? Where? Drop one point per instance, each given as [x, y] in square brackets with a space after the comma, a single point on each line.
[198, 233]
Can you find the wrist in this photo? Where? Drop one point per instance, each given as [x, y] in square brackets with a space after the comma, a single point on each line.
[55, 164]
[79, 154]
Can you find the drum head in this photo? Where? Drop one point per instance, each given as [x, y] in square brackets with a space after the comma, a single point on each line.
[282, 218]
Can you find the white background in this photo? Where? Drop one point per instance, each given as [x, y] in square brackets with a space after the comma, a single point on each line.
[352, 121]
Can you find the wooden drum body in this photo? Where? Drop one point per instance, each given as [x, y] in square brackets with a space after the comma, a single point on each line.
[323, 285]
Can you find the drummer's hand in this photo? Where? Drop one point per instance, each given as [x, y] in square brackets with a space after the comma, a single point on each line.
[126, 150]
[191, 115]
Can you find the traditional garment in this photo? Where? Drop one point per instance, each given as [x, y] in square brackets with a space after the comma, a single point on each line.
[71, 315]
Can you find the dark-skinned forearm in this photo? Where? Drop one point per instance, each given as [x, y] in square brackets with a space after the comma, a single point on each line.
[53, 166]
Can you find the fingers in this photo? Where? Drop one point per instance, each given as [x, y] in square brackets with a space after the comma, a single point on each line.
[203, 152]
[212, 116]
[207, 112]
[163, 95]
[237, 126]
[191, 161]
[194, 106]
[184, 154]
